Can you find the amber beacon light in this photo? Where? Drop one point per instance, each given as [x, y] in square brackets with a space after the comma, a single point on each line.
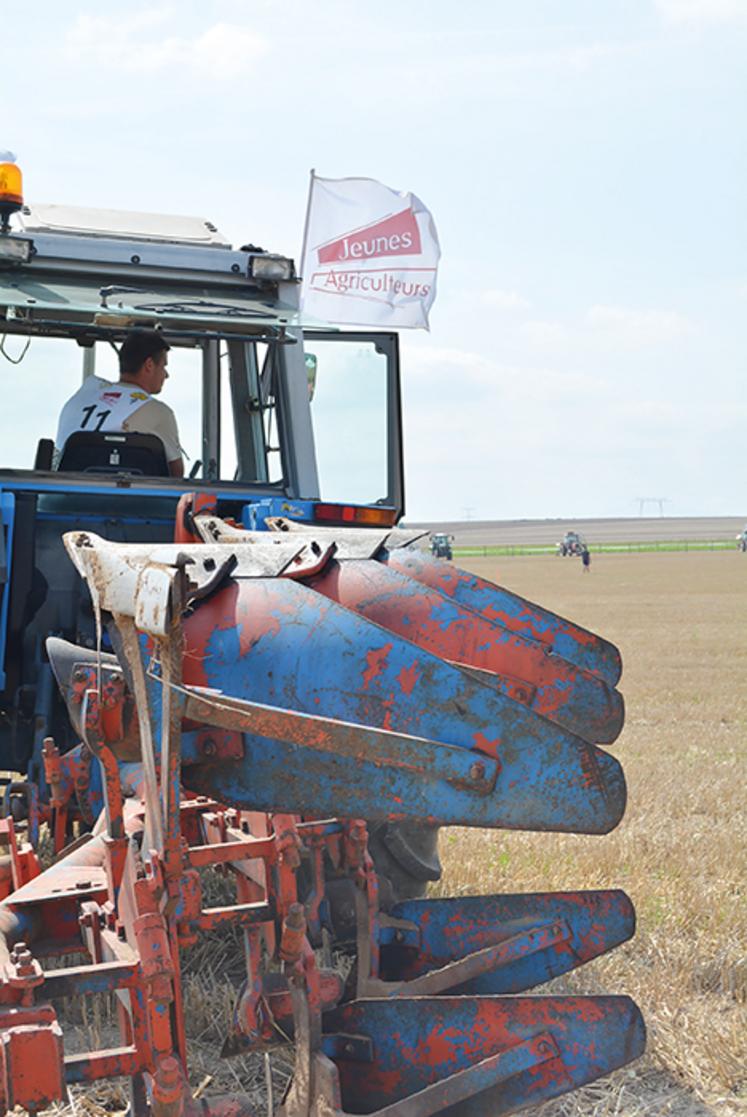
[11, 188]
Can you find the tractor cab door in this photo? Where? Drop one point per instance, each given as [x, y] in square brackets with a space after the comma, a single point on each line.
[354, 398]
[315, 415]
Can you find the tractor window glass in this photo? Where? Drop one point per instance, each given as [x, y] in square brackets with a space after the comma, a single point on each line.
[50, 371]
[348, 393]
[248, 437]
[34, 390]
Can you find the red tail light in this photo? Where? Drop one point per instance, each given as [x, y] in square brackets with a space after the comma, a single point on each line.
[352, 514]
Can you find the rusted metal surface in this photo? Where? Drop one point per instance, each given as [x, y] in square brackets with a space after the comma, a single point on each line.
[582, 925]
[277, 643]
[573, 698]
[22, 860]
[415, 777]
[470, 967]
[422, 1042]
[21, 800]
[439, 794]
[495, 603]
[137, 579]
[31, 1059]
[587, 650]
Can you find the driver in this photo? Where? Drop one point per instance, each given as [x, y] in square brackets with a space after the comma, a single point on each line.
[128, 405]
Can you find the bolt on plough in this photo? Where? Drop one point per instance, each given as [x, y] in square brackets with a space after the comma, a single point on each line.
[305, 708]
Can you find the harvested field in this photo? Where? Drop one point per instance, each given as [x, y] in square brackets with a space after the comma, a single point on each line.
[643, 529]
[681, 851]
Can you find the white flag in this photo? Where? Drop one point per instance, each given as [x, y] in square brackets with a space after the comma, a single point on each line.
[370, 255]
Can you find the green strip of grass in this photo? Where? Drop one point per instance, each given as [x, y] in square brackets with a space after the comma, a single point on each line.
[602, 548]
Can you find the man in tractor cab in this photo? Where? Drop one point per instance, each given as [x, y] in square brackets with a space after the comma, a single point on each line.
[128, 405]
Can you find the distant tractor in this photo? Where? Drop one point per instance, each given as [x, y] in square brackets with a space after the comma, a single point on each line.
[441, 545]
[572, 544]
[742, 540]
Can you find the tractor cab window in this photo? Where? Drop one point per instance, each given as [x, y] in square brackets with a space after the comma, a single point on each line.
[41, 374]
[37, 376]
[315, 416]
[353, 401]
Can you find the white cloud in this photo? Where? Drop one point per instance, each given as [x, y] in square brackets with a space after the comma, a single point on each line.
[702, 11]
[141, 43]
[639, 327]
[504, 300]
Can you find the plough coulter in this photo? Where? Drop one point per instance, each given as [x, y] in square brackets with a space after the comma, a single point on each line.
[285, 705]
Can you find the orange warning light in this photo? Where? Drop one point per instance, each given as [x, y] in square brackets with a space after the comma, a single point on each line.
[11, 187]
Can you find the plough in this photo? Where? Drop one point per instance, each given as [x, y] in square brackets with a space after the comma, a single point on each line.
[305, 707]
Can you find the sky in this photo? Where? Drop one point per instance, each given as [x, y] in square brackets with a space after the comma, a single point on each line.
[584, 162]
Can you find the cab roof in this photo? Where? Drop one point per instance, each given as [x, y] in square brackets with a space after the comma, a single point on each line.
[70, 271]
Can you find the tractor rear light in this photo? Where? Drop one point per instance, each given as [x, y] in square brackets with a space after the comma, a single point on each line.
[271, 268]
[350, 514]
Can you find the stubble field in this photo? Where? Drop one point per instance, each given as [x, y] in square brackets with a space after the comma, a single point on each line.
[681, 850]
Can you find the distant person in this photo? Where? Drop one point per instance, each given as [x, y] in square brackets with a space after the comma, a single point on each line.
[585, 560]
[128, 405]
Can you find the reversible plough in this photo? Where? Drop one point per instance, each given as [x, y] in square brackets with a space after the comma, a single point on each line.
[305, 707]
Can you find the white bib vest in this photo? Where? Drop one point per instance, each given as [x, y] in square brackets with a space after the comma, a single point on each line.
[99, 405]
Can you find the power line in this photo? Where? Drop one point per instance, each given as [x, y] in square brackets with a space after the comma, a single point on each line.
[656, 500]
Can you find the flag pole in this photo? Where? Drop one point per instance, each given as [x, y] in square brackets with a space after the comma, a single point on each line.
[312, 175]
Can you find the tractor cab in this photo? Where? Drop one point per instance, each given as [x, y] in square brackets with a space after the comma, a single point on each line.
[276, 417]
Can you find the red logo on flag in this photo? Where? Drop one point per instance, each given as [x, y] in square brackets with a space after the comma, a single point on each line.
[397, 235]
[110, 397]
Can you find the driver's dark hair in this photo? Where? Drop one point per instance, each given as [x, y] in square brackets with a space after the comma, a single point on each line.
[137, 347]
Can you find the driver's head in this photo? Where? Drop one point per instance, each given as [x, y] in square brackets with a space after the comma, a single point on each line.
[143, 358]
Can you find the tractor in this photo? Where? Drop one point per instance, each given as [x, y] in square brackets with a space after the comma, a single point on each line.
[441, 545]
[571, 544]
[254, 669]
